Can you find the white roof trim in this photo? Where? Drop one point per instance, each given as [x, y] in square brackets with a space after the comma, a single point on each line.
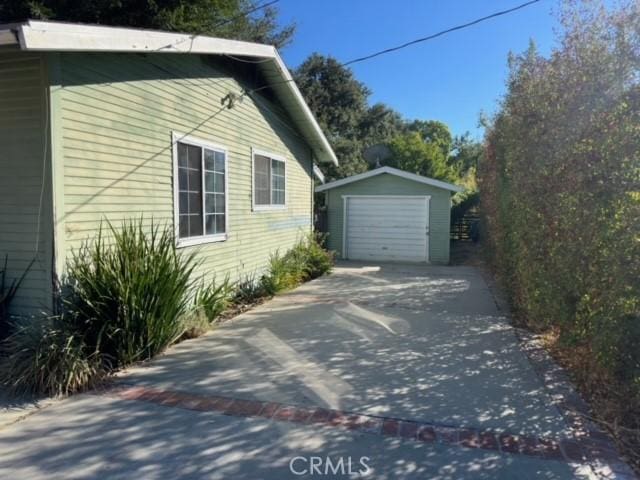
[318, 173]
[8, 37]
[391, 171]
[71, 37]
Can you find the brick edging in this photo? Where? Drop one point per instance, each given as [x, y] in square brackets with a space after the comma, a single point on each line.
[566, 450]
[593, 444]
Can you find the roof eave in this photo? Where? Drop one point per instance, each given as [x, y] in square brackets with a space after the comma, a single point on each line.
[8, 36]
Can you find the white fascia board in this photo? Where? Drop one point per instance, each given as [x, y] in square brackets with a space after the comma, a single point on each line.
[391, 171]
[68, 37]
[318, 173]
[8, 37]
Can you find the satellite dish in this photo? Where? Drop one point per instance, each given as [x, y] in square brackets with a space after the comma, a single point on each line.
[376, 155]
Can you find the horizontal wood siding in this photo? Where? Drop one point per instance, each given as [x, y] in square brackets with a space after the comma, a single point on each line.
[25, 217]
[385, 184]
[118, 114]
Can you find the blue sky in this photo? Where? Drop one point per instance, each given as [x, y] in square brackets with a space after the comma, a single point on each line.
[452, 78]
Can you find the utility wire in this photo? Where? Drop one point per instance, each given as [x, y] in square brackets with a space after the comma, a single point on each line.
[225, 21]
[413, 42]
[245, 13]
[439, 34]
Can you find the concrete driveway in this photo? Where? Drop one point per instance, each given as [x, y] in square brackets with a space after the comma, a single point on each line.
[410, 370]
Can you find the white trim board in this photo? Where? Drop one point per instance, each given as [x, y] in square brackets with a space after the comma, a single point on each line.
[36, 35]
[391, 171]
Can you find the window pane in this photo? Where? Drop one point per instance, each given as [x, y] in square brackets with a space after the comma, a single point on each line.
[195, 157]
[195, 203]
[278, 167]
[195, 225]
[184, 226]
[220, 224]
[210, 205]
[219, 161]
[262, 182]
[219, 203]
[182, 179]
[208, 159]
[214, 182]
[277, 183]
[278, 197]
[208, 182]
[182, 155]
[194, 180]
[183, 202]
[219, 182]
[210, 224]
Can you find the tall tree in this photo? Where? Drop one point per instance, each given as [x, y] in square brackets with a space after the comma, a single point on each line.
[465, 154]
[339, 102]
[220, 18]
[435, 132]
[412, 154]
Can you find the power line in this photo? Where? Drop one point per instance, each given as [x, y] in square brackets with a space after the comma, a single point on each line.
[225, 21]
[245, 13]
[413, 42]
[381, 52]
[439, 34]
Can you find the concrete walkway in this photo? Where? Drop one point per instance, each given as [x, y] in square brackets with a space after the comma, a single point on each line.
[419, 344]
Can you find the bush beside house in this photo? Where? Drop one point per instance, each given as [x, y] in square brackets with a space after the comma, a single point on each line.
[560, 190]
[128, 299]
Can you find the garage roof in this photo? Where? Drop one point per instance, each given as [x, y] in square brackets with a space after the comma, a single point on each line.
[71, 37]
[391, 171]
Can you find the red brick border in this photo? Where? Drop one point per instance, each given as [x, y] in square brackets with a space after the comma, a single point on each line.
[505, 442]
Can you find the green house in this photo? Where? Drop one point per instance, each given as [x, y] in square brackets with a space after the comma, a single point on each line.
[391, 215]
[207, 135]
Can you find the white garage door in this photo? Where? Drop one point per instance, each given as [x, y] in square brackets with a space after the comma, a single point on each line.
[387, 228]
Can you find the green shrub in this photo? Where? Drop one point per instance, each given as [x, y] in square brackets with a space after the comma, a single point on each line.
[44, 356]
[305, 261]
[317, 259]
[285, 272]
[248, 290]
[212, 299]
[127, 298]
[561, 199]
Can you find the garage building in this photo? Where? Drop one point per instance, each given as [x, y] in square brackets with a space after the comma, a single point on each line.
[389, 215]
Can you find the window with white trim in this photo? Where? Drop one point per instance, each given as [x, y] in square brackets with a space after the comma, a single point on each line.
[201, 191]
[269, 182]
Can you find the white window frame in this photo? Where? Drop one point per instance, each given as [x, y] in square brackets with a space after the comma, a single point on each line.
[271, 207]
[201, 239]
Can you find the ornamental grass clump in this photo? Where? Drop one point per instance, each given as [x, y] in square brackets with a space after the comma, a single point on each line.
[44, 356]
[127, 293]
[125, 299]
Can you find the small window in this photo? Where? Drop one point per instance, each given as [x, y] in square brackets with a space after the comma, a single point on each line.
[201, 192]
[269, 182]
